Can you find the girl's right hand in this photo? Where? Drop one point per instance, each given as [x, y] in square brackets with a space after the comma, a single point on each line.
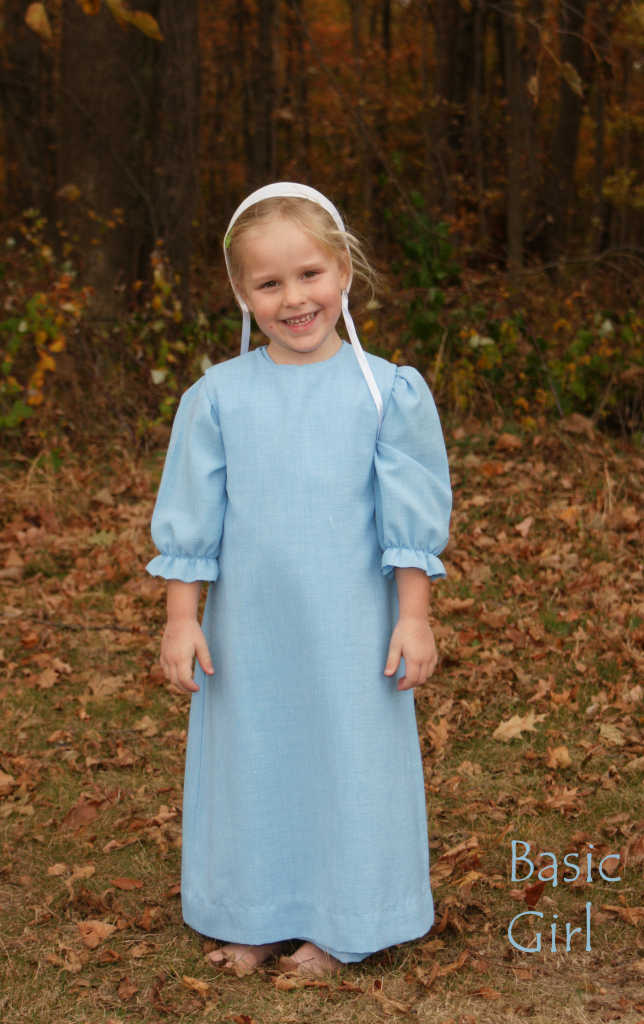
[182, 639]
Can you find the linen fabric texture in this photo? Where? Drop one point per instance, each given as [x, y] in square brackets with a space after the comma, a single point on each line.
[304, 802]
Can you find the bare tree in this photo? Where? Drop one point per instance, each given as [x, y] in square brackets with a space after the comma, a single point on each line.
[559, 181]
[513, 80]
[175, 167]
[27, 97]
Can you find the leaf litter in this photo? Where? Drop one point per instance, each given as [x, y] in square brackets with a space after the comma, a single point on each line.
[540, 631]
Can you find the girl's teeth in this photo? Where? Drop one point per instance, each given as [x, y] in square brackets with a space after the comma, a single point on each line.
[294, 321]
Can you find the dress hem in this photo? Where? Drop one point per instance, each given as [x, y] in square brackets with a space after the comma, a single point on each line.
[256, 929]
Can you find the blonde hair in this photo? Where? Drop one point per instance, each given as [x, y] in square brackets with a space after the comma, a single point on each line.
[316, 222]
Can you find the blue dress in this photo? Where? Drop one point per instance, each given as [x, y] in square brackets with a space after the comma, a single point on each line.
[304, 803]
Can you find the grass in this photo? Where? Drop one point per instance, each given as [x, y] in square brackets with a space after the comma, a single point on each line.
[96, 759]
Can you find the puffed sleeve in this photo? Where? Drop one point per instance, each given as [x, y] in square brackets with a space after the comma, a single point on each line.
[412, 488]
[188, 520]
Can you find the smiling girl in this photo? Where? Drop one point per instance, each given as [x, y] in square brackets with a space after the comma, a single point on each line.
[313, 487]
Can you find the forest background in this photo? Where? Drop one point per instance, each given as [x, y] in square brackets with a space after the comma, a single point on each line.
[489, 152]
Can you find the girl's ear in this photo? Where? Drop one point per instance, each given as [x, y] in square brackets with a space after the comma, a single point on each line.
[345, 274]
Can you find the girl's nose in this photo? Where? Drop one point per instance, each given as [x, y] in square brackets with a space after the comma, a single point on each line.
[294, 295]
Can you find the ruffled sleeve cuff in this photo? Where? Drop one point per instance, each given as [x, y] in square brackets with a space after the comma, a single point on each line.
[188, 570]
[407, 558]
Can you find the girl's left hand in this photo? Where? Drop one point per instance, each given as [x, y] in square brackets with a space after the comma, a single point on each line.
[413, 640]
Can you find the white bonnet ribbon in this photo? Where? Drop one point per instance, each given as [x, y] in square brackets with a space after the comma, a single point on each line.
[292, 189]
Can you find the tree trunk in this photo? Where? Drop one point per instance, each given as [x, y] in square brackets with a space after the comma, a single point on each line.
[513, 80]
[105, 84]
[364, 153]
[175, 179]
[26, 94]
[478, 156]
[599, 204]
[453, 43]
[559, 185]
[262, 170]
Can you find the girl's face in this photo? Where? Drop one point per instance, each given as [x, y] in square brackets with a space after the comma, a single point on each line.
[294, 291]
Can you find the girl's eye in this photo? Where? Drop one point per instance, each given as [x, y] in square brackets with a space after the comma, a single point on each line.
[269, 284]
[310, 273]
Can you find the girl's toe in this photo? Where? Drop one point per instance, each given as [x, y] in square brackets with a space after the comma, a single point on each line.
[217, 957]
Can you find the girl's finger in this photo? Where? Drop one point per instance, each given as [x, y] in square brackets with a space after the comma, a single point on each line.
[185, 679]
[393, 658]
[203, 656]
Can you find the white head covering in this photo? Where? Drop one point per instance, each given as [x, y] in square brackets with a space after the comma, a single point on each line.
[288, 189]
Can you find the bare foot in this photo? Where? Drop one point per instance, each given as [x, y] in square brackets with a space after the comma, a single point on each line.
[309, 959]
[243, 959]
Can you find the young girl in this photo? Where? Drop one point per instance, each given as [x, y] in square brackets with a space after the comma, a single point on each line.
[313, 487]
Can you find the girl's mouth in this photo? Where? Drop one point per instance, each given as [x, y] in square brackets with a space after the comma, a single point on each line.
[300, 322]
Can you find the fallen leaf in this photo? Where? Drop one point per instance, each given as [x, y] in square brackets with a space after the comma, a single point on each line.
[611, 734]
[140, 949]
[508, 442]
[432, 947]
[531, 894]
[496, 619]
[455, 965]
[58, 869]
[558, 757]
[346, 986]
[438, 734]
[544, 687]
[127, 884]
[47, 679]
[284, 984]
[390, 1006]
[446, 863]
[154, 994]
[479, 965]
[632, 915]
[420, 977]
[103, 497]
[150, 918]
[109, 956]
[525, 526]
[13, 560]
[59, 736]
[146, 726]
[201, 987]
[81, 813]
[105, 686]
[7, 783]
[86, 871]
[94, 932]
[523, 973]
[73, 963]
[569, 515]
[486, 993]
[126, 989]
[516, 725]
[576, 423]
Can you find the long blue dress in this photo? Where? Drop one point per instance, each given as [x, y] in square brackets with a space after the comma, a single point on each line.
[304, 803]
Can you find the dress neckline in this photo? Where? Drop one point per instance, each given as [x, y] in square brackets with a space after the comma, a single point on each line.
[302, 366]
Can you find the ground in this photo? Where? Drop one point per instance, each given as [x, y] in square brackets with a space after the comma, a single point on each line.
[532, 730]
